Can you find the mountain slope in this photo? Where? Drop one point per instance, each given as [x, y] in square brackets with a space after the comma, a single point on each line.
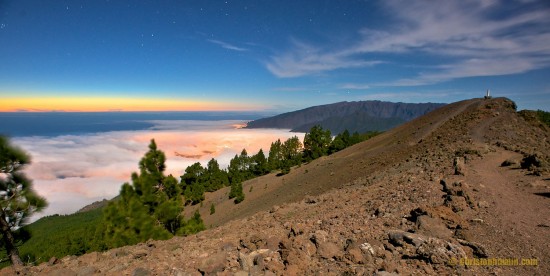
[417, 199]
[359, 116]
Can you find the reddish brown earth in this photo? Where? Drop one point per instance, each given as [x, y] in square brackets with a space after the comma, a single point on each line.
[416, 200]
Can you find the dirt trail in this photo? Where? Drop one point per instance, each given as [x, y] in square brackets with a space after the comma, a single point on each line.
[516, 222]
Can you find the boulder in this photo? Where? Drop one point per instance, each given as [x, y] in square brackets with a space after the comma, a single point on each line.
[329, 250]
[213, 263]
[433, 227]
[459, 166]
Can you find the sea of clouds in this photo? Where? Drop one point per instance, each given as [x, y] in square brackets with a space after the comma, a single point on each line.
[71, 171]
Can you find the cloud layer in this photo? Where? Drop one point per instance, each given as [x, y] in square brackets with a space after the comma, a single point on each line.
[74, 170]
[462, 38]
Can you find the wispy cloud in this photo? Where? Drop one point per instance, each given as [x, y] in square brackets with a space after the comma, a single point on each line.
[227, 46]
[355, 86]
[291, 89]
[306, 59]
[477, 38]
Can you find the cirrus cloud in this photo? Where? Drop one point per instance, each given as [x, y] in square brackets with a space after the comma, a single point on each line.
[460, 38]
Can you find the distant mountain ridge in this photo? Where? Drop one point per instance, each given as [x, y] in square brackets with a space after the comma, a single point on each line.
[360, 116]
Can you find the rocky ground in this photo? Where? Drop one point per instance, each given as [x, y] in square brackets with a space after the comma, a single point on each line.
[421, 199]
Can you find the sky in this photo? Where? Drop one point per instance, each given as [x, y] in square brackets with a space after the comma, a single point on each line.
[135, 55]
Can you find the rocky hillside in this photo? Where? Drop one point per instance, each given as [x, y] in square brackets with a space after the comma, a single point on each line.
[466, 183]
[362, 116]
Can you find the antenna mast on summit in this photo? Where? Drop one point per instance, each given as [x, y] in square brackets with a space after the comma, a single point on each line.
[488, 94]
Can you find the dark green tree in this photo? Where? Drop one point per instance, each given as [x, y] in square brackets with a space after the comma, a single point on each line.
[193, 181]
[236, 192]
[275, 157]
[150, 208]
[355, 138]
[194, 193]
[240, 168]
[316, 143]
[216, 177]
[193, 173]
[340, 142]
[212, 209]
[194, 225]
[128, 221]
[292, 151]
[259, 164]
[18, 200]
[234, 170]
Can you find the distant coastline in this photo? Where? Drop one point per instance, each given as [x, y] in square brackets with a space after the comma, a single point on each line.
[19, 124]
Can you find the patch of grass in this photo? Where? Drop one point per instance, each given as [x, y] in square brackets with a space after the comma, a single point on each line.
[212, 209]
[464, 152]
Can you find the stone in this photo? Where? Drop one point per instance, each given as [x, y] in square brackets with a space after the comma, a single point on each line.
[310, 200]
[140, 271]
[53, 261]
[305, 245]
[459, 166]
[87, 271]
[399, 237]
[433, 227]
[483, 204]
[213, 263]
[61, 272]
[367, 248]
[385, 273]
[456, 203]
[228, 246]
[356, 256]
[319, 236]
[272, 243]
[478, 250]
[329, 250]
[248, 261]
[90, 258]
[437, 251]
[140, 254]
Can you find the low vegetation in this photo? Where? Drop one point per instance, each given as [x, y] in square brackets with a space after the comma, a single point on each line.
[543, 116]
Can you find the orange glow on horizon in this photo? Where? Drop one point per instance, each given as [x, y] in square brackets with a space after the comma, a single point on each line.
[103, 104]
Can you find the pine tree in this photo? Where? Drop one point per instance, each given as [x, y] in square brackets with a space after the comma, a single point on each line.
[340, 142]
[236, 192]
[316, 143]
[150, 208]
[259, 163]
[18, 200]
[275, 156]
[292, 151]
[216, 178]
[212, 209]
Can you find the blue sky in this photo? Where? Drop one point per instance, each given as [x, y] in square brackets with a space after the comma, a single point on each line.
[275, 55]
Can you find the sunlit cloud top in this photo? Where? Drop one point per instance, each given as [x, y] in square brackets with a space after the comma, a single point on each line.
[72, 171]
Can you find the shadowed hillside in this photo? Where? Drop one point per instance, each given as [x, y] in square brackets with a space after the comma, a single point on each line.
[465, 181]
[360, 116]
